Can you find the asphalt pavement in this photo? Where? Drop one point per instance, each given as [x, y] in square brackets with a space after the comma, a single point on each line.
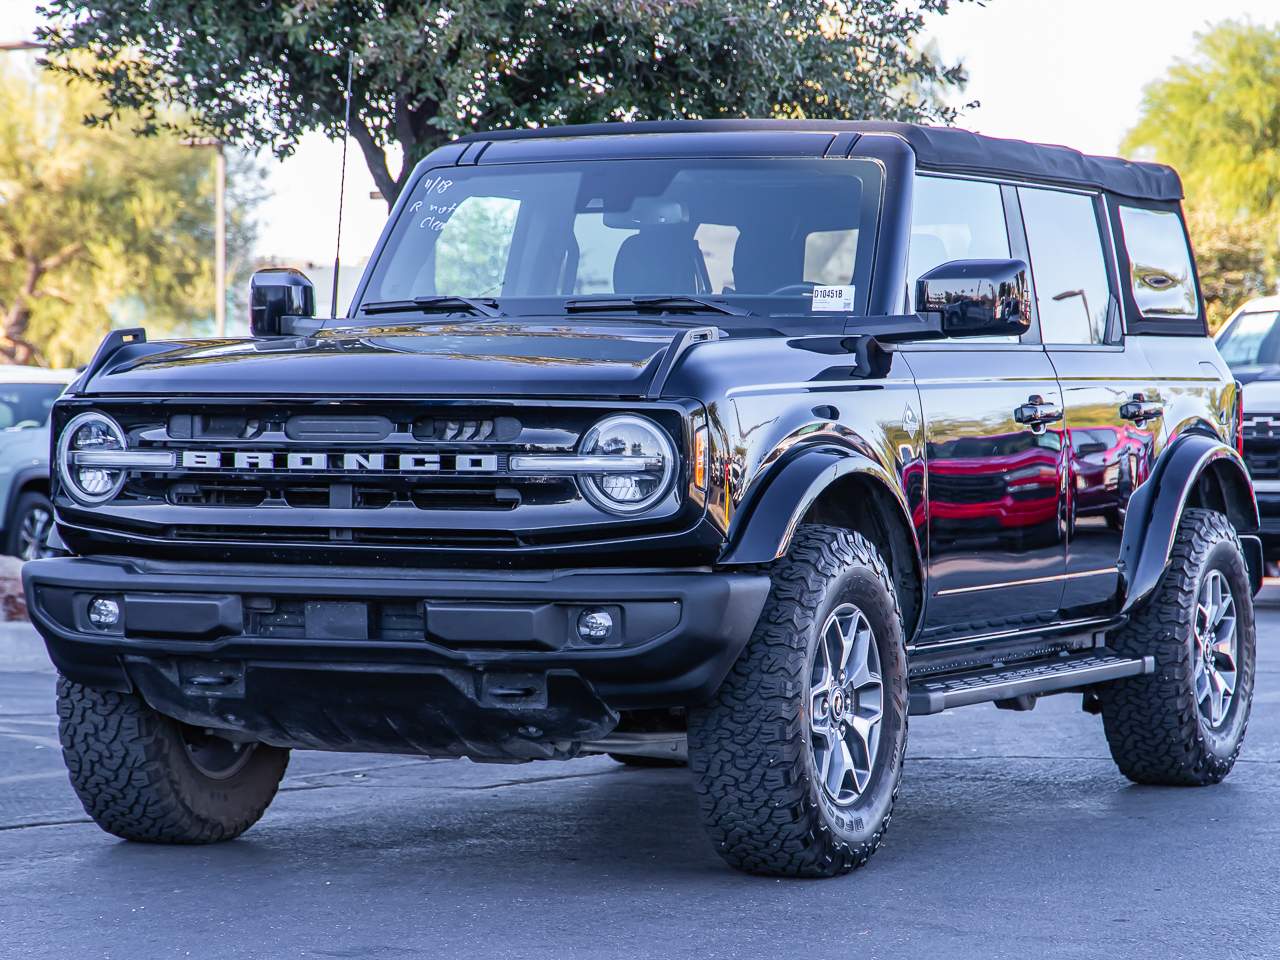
[1014, 836]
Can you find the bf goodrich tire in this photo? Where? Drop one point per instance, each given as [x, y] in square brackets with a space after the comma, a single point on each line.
[1184, 725]
[798, 758]
[142, 776]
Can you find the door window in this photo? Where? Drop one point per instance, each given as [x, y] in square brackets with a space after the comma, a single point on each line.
[954, 220]
[1073, 293]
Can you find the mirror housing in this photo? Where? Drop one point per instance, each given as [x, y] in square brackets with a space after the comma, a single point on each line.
[276, 295]
[977, 298]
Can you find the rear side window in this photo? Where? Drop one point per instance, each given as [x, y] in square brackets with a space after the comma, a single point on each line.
[1072, 290]
[1159, 263]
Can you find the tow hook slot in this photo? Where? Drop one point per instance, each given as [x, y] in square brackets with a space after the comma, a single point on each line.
[200, 678]
[519, 690]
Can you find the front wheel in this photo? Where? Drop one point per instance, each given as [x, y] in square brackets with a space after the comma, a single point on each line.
[145, 777]
[1185, 723]
[798, 758]
[30, 527]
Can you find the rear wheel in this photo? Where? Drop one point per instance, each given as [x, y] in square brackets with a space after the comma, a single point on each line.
[798, 758]
[1185, 724]
[143, 776]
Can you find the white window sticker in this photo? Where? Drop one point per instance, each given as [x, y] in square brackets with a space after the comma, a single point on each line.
[835, 299]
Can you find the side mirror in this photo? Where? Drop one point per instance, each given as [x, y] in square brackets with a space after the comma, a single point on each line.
[275, 294]
[977, 298]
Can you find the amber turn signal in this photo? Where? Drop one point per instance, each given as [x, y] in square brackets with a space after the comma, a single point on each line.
[700, 458]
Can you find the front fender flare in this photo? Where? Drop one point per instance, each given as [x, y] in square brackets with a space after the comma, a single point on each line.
[762, 528]
[1151, 523]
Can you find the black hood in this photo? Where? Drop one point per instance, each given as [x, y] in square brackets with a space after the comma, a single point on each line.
[612, 358]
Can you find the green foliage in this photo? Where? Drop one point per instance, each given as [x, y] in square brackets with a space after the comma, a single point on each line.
[1236, 257]
[262, 74]
[1216, 117]
[94, 222]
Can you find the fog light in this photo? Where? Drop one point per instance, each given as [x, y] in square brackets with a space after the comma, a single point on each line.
[595, 625]
[104, 612]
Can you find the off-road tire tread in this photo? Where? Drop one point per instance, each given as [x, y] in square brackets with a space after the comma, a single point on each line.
[1152, 721]
[760, 812]
[120, 755]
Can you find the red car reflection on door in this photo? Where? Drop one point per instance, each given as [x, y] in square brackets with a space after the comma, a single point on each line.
[1006, 481]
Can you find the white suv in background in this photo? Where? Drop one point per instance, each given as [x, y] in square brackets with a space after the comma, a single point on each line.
[26, 395]
[1250, 343]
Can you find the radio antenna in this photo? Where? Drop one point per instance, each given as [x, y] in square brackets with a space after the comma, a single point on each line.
[342, 185]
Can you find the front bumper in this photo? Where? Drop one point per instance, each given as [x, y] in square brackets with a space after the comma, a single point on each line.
[481, 664]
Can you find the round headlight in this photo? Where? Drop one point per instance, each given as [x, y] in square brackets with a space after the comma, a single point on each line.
[90, 432]
[643, 478]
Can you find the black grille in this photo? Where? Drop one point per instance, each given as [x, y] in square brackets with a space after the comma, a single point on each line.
[1262, 458]
[330, 477]
[443, 496]
[952, 488]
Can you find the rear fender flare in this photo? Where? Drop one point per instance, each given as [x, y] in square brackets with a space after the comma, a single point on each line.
[1151, 523]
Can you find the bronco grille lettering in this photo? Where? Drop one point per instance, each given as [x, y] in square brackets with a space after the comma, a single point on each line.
[322, 462]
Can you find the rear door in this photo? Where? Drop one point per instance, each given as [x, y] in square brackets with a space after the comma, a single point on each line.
[1114, 405]
[995, 485]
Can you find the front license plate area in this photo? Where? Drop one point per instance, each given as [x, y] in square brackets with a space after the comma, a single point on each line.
[336, 620]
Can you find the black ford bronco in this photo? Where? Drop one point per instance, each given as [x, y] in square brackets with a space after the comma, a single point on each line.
[730, 442]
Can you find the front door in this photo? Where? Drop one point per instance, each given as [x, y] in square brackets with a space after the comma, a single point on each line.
[995, 476]
[995, 464]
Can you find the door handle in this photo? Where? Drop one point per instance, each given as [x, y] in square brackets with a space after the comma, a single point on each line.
[1139, 409]
[1037, 413]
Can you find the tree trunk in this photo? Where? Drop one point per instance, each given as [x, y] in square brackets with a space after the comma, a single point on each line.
[13, 344]
[13, 339]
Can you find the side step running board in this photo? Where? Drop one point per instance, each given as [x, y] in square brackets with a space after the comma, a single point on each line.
[937, 693]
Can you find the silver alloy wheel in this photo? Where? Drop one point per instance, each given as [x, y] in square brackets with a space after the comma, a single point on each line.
[846, 704]
[1214, 643]
[33, 534]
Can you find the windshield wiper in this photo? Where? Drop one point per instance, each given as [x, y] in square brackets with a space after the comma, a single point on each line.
[659, 304]
[436, 304]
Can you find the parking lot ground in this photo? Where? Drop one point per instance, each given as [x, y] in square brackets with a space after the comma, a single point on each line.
[1014, 837]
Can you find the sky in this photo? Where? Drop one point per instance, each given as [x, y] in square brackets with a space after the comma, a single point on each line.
[1055, 71]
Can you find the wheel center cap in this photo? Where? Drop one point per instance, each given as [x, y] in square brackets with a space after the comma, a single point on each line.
[837, 703]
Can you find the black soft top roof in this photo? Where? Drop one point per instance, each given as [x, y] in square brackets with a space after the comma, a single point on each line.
[936, 148]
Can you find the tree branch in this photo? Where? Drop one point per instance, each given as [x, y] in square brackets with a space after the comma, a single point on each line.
[376, 160]
[63, 256]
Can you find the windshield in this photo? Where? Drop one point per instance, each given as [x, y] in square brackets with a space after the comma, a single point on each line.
[758, 235]
[1252, 339]
[26, 405]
